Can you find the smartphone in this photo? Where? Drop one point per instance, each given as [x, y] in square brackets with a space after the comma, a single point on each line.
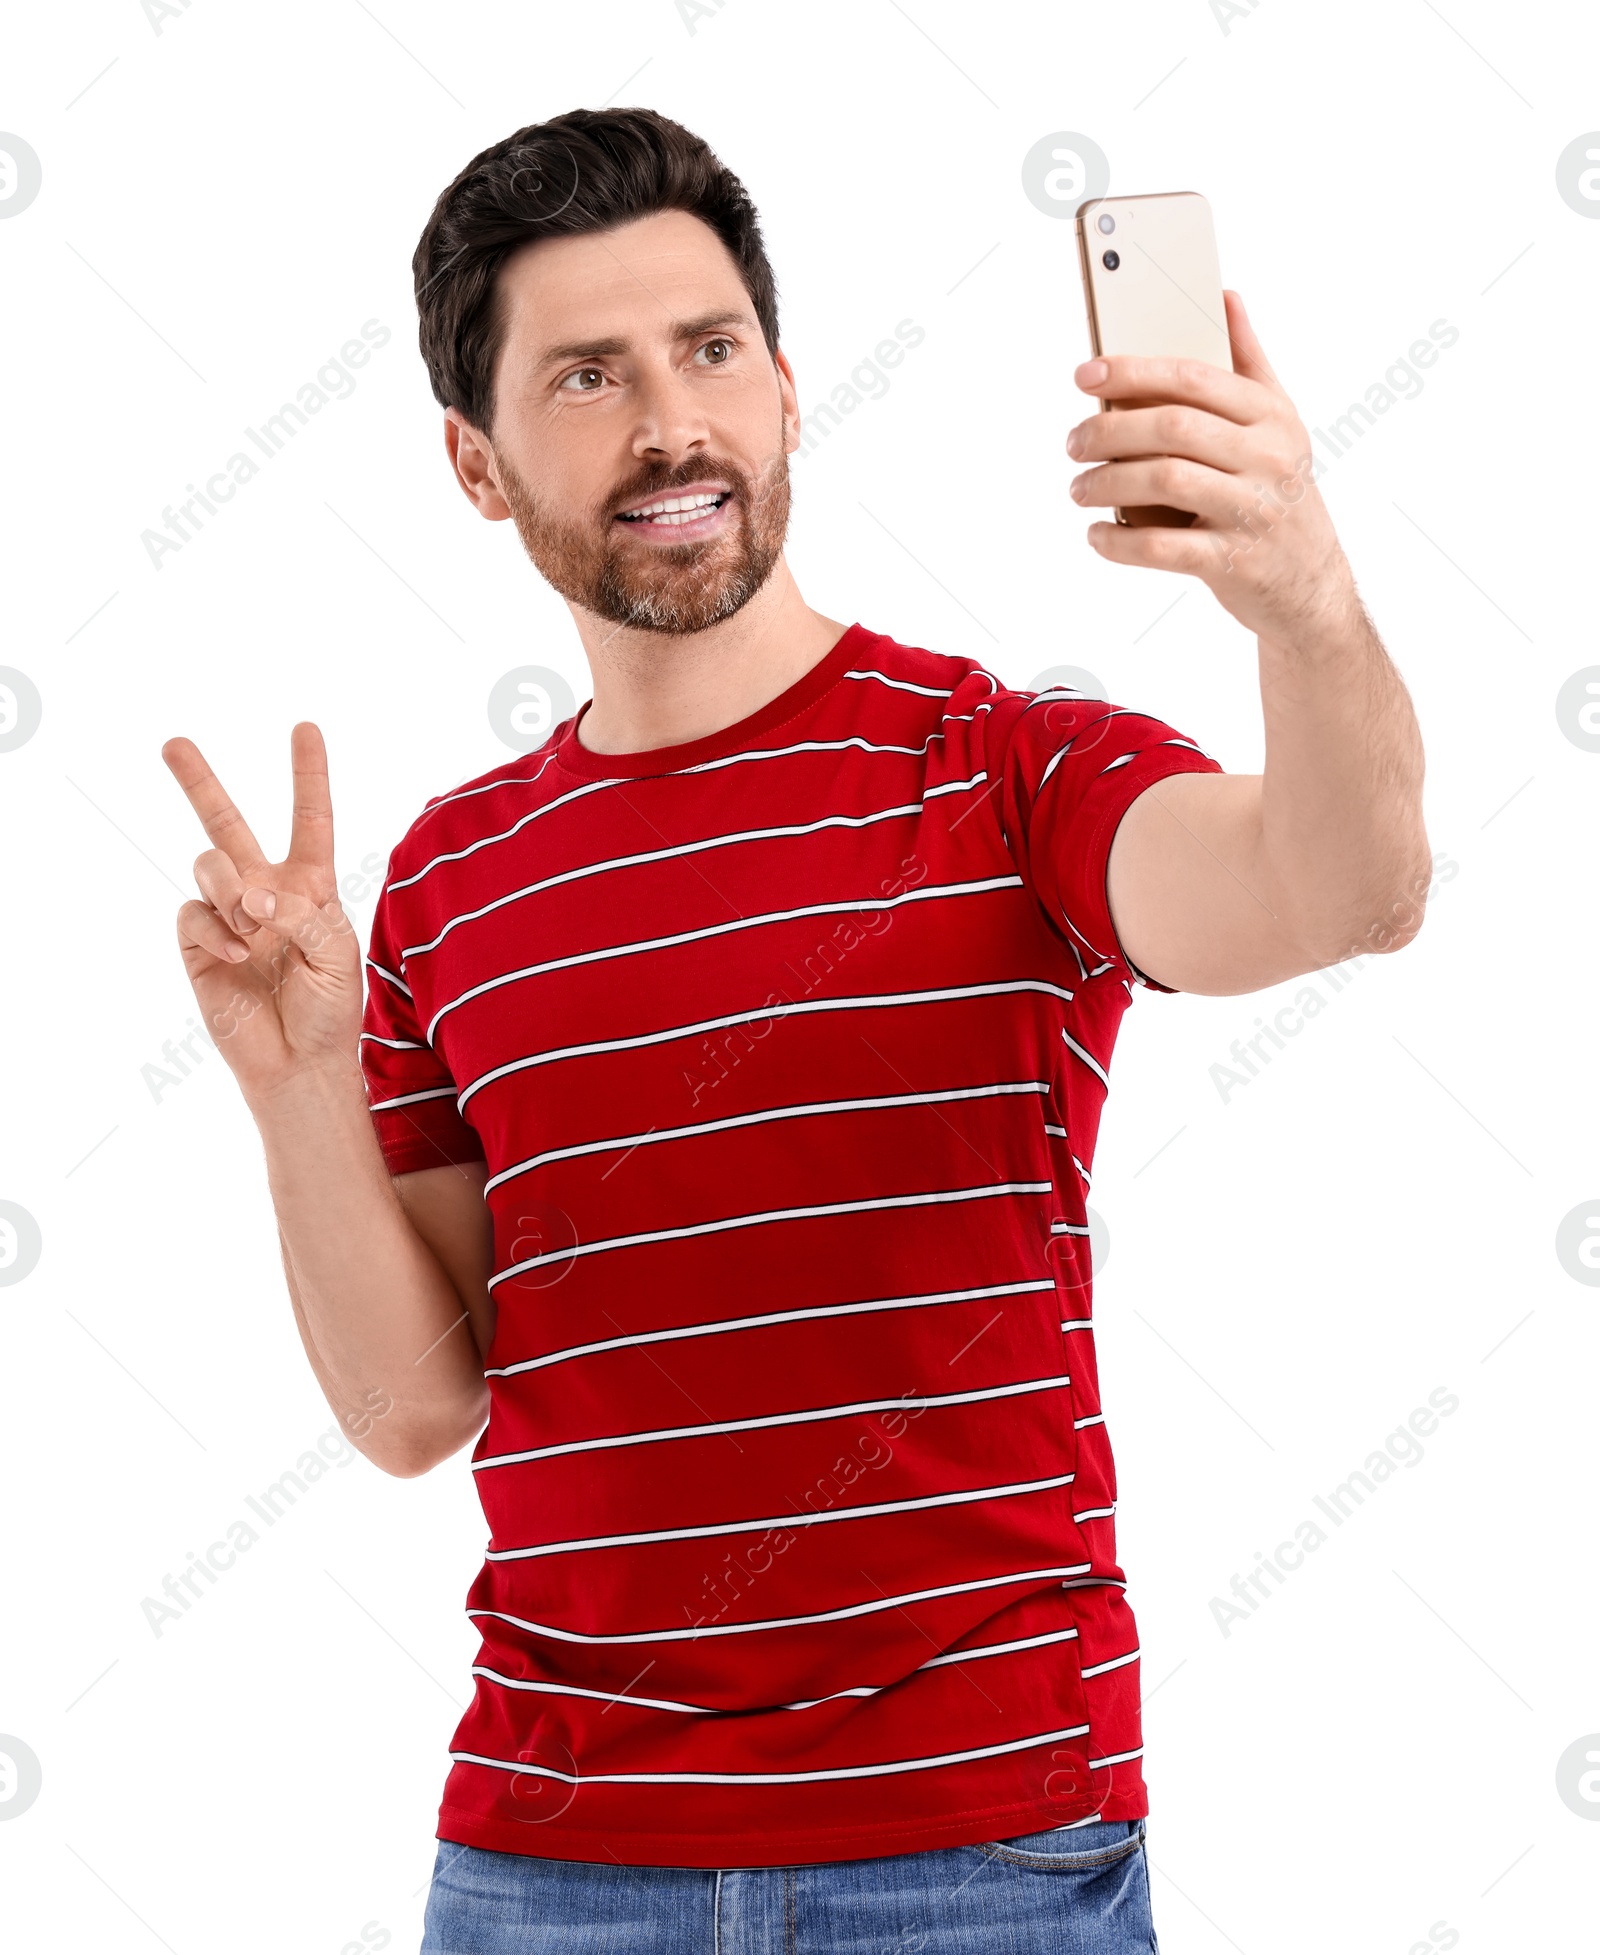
[1152, 285]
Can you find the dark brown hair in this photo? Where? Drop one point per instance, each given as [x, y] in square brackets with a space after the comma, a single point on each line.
[587, 170]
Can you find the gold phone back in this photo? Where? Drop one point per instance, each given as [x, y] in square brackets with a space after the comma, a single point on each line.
[1165, 297]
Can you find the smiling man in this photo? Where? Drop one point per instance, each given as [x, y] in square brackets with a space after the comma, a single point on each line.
[716, 1147]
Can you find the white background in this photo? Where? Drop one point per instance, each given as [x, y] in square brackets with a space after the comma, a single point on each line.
[1292, 1269]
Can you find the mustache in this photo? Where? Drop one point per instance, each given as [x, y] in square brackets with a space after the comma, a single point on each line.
[664, 482]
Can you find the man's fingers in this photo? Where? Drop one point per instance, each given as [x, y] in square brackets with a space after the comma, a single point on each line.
[312, 928]
[311, 836]
[1163, 479]
[200, 928]
[1142, 378]
[1194, 551]
[222, 821]
[1171, 429]
[1248, 357]
[220, 883]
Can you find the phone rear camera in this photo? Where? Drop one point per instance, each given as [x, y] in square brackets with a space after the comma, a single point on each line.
[1106, 222]
[1110, 260]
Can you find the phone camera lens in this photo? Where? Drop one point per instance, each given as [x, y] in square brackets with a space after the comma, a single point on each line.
[1110, 260]
[1106, 222]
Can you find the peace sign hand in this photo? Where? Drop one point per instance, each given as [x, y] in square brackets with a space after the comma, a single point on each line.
[274, 961]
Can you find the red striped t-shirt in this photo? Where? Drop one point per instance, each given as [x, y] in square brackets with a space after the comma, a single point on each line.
[786, 1050]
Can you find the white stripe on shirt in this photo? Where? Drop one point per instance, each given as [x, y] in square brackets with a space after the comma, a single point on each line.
[762, 1217]
[846, 1613]
[786, 1523]
[654, 1135]
[853, 906]
[915, 1403]
[517, 1767]
[760, 1014]
[720, 1325]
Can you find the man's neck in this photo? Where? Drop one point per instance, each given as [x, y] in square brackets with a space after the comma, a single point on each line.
[654, 689]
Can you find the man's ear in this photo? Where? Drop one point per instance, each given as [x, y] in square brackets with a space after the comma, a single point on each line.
[472, 461]
[790, 399]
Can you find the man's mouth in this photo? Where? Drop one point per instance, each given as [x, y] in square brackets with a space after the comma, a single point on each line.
[683, 516]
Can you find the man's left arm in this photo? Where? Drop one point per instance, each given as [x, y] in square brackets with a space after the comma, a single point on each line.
[1224, 883]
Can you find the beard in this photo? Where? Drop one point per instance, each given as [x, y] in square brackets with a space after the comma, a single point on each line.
[676, 588]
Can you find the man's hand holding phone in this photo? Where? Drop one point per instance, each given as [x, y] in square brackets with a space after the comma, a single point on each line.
[1230, 449]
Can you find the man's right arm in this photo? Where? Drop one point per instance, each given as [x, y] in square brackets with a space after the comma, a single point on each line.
[388, 1275]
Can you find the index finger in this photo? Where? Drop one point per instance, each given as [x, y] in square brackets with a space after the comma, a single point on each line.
[1196, 383]
[222, 821]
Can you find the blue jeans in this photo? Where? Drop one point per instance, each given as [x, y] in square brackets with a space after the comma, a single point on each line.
[1084, 1890]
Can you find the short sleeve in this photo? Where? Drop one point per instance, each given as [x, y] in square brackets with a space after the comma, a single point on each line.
[1069, 768]
[410, 1093]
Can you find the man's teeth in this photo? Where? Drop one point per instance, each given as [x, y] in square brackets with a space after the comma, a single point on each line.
[675, 509]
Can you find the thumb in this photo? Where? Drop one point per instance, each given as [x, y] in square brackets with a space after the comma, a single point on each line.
[316, 930]
[1248, 357]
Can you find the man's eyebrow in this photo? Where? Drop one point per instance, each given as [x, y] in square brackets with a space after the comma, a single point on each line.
[682, 329]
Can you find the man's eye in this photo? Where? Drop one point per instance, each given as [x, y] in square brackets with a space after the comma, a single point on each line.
[718, 351]
[578, 381]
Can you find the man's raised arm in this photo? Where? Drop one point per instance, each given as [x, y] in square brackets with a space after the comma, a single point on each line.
[389, 1283]
[1227, 882]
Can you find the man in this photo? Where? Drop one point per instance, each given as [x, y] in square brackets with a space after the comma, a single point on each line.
[733, 1064]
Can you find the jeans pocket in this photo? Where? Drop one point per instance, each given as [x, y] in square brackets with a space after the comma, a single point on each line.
[1070, 1849]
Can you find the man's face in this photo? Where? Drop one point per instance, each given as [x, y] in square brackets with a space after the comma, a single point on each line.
[633, 374]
